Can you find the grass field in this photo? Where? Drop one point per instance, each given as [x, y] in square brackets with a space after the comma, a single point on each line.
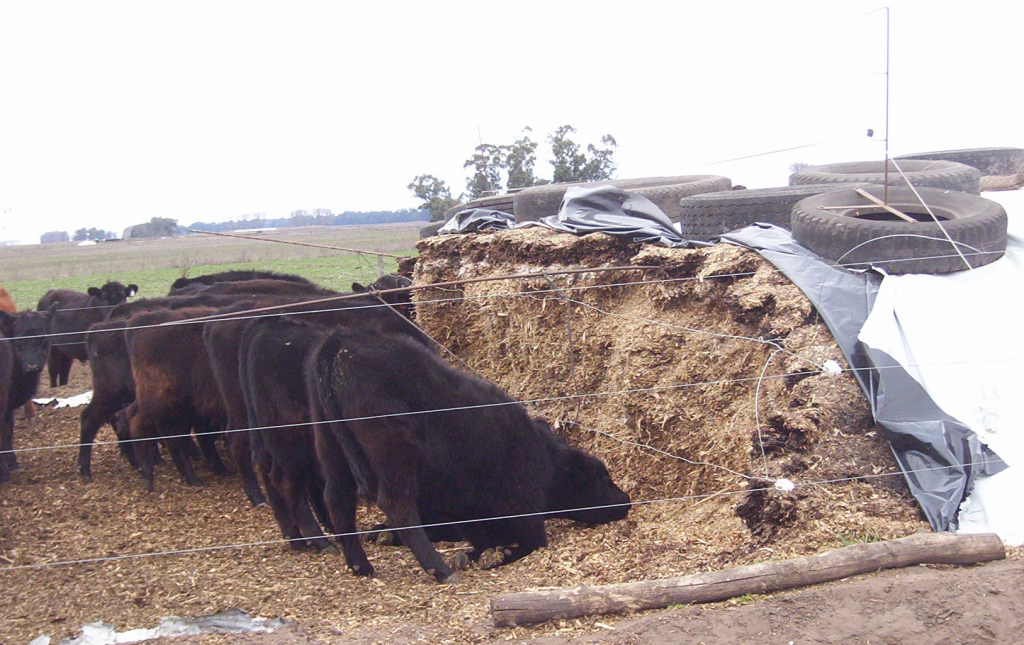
[27, 272]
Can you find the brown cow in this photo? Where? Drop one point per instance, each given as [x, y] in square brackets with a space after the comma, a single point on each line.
[7, 304]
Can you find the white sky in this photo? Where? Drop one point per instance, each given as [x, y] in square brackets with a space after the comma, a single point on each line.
[115, 112]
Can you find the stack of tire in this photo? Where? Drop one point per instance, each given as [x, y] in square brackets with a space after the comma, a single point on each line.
[1001, 168]
[951, 227]
[828, 215]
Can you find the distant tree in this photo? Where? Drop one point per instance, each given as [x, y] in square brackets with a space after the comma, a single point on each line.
[96, 234]
[797, 166]
[249, 220]
[53, 237]
[519, 160]
[155, 227]
[487, 162]
[572, 164]
[434, 194]
[300, 218]
[322, 216]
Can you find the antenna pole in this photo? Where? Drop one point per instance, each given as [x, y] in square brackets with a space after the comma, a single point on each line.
[886, 195]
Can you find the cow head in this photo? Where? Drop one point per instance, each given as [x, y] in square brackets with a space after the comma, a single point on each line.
[582, 482]
[29, 333]
[401, 300]
[112, 293]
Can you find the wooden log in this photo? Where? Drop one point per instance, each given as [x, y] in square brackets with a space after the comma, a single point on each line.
[922, 548]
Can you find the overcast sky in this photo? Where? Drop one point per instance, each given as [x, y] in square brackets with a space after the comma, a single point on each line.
[115, 112]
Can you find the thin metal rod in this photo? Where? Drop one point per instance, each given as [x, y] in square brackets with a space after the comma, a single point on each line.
[315, 246]
[886, 190]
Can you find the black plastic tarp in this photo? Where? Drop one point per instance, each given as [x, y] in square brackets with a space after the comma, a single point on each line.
[940, 457]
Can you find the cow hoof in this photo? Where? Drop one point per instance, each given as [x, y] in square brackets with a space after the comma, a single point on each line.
[450, 579]
[86, 479]
[330, 549]
[363, 570]
[461, 562]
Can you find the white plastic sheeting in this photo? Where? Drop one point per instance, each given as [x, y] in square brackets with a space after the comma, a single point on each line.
[70, 402]
[961, 337]
[229, 621]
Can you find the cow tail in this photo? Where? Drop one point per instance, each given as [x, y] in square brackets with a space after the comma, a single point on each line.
[327, 406]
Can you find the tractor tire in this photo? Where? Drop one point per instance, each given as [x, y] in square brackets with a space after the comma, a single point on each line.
[990, 161]
[531, 204]
[847, 228]
[705, 217]
[932, 174]
[431, 229]
[501, 203]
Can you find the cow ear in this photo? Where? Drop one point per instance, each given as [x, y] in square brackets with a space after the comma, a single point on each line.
[52, 311]
[358, 288]
[94, 292]
[7, 323]
[132, 290]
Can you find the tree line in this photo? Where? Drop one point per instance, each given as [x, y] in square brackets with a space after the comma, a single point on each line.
[498, 168]
[81, 235]
[169, 227]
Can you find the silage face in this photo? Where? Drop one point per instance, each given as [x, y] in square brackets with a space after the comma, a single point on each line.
[660, 378]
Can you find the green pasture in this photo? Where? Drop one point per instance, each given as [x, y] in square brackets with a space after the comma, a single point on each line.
[28, 272]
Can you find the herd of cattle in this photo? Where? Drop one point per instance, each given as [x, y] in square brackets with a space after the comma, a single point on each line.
[326, 398]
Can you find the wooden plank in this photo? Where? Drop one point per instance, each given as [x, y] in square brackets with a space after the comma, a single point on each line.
[923, 548]
[903, 216]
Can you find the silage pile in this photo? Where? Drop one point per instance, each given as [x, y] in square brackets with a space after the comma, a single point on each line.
[671, 362]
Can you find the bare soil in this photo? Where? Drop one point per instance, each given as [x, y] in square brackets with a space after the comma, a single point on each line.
[684, 392]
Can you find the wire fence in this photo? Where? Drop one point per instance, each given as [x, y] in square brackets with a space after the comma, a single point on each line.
[560, 293]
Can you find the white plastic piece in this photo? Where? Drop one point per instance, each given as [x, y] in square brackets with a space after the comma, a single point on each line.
[832, 368]
[784, 485]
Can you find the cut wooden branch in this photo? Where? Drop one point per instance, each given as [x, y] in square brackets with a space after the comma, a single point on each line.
[922, 548]
[878, 202]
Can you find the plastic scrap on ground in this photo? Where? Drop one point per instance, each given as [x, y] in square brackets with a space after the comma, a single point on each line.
[229, 621]
[71, 402]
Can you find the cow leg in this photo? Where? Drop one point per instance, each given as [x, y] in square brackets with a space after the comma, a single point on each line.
[29, 409]
[289, 529]
[530, 536]
[64, 368]
[397, 498]
[340, 497]
[238, 446]
[179, 443]
[100, 410]
[124, 443]
[206, 436]
[315, 495]
[7, 441]
[143, 444]
[53, 365]
[294, 493]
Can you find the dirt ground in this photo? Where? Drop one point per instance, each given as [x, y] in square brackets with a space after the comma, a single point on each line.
[933, 605]
[704, 386]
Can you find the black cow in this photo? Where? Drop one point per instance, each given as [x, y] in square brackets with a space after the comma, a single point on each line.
[271, 355]
[402, 300]
[184, 286]
[409, 433]
[77, 310]
[25, 342]
[222, 342]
